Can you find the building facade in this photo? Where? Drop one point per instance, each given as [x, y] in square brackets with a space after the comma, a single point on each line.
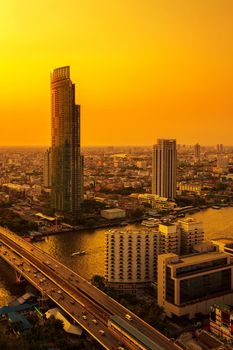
[191, 284]
[47, 176]
[197, 152]
[191, 233]
[164, 163]
[131, 256]
[130, 259]
[66, 159]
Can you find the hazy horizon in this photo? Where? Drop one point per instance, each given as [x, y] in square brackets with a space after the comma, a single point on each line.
[142, 70]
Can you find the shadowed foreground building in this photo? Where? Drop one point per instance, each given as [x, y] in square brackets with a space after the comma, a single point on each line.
[66, 159]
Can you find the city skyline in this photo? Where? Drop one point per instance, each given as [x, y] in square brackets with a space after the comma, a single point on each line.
[166, 62]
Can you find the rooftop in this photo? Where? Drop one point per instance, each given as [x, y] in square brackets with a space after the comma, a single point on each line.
[199, 257]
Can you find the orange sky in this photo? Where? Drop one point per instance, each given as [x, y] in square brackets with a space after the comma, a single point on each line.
[143, 69]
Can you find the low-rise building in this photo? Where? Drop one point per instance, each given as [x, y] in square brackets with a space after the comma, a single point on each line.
[221, 321]
[114, 213]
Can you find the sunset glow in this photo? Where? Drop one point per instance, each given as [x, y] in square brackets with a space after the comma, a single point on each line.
[143, 69]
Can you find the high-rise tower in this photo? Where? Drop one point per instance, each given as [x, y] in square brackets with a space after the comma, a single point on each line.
[67, 162]
[164, 168]
[197, 151]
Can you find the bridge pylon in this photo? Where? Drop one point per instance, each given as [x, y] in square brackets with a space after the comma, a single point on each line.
[18, 277]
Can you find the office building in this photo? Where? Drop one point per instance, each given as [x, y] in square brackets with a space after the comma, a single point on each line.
[47, 169]
[164, 168]
[197, 151]
[191, 233]
[67, 162]
[130, 260]
[190, 284]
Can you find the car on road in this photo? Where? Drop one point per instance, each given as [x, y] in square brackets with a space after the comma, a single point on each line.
[84, 317]
[128, 317]
[101, 332]
[95, 321]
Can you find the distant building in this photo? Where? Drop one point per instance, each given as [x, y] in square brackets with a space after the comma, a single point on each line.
[189, 187]
[191, 284]
[220, 148]
[130, 259]
[67, 162]
[222, 164]
[164, 168]
[47, 169]
[112, 213]
[197, 151]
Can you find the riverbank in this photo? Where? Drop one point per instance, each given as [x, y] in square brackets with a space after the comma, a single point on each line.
[81, 228]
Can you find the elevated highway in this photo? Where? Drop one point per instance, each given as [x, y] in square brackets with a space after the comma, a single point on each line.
[85, 304]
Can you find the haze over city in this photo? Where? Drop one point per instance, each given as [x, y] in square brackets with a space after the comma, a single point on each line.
[142, 69]
[116, 175]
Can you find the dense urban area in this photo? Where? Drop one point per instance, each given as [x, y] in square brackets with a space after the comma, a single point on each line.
[163, 271]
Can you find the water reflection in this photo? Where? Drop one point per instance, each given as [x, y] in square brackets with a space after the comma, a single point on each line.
[217, 223]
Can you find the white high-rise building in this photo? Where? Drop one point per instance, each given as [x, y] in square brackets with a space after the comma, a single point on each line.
[191, 231]
[131, 257]
[164, 163]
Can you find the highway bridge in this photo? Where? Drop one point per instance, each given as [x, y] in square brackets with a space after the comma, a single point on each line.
[92, 309]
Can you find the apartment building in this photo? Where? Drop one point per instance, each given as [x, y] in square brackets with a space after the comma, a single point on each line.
[132, 255]
[191, 233]
[131, 258]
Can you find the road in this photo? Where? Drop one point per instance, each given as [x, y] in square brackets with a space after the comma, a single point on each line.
[73, 288]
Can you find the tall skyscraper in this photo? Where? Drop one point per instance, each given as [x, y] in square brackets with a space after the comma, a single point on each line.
[164, 168]
[67, 162]
[220, 148]
[197, 151]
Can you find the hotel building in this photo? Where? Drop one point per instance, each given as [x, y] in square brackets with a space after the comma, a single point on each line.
[131, 256]
[130, 259]
[191, 233]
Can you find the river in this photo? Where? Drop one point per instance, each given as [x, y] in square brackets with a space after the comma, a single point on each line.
[217, 223]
